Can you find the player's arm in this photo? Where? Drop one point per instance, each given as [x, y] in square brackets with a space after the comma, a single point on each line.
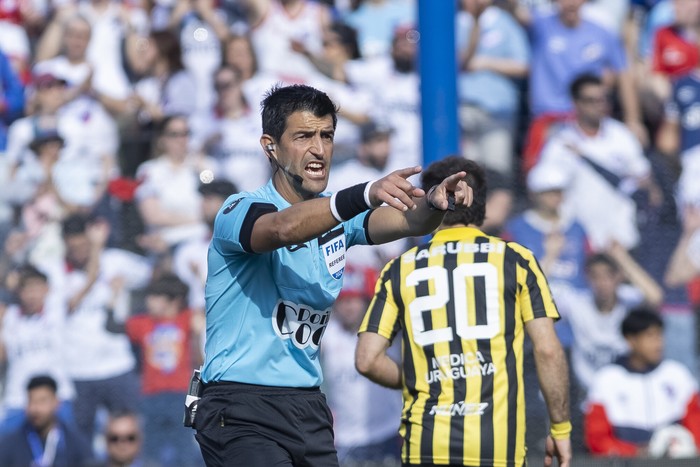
[426, 213]
[372, 361]
[553, 376]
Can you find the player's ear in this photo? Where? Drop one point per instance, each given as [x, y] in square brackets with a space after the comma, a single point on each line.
[268, 144]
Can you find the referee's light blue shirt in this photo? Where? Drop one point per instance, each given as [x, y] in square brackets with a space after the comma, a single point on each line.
[266, 313]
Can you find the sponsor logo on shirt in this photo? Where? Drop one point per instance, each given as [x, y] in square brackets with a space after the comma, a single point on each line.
[460, 409]
[300, 323]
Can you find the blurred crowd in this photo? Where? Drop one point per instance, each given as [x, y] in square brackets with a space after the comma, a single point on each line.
[124, 125]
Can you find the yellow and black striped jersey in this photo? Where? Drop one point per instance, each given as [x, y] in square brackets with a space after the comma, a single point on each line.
[461, 302]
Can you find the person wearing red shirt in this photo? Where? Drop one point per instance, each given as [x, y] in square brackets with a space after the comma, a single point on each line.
[167, 336]
[637, 401]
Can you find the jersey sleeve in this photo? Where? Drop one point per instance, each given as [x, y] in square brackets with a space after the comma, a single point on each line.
[382, 316]
[356, 230]
[534, 295]
[234, 223]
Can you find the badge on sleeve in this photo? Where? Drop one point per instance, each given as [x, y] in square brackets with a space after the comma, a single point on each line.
[332, 246]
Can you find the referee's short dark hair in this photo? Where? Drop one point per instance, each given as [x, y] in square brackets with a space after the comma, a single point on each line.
[282, 101]
[639, 320]
[42, 381]
[476, 179]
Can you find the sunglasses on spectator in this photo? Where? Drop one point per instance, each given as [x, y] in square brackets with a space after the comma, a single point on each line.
[176, 134]
[128, 438]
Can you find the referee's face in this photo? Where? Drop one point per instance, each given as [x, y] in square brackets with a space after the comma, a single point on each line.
[304, 152]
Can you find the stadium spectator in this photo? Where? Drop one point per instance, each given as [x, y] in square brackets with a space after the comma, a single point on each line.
[36, 194]
[190, 258]
[393, 83]
[167, 197]
[33, 345]
[684, 264]
[239, 53]
[167, 336]
[601, 156]
[595, 315]
[201, 28]
[640, 394]
[229, 133]
[494, 55]
[278, 26]
[500, 201]
[111, 25]
[365, 415]
[95, 130]
[566, 44]
[558, 242]
[124, 439]
[679, 133]
[166, 88]
[43, 439]
[92, 279]
[675, 48]
[422, 296]
[375, 20]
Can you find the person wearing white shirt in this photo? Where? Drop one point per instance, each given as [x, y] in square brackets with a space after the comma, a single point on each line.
[190, 258]
[33, 343]
[167, 197]
[607, 165]
[227, 132]
[596, 315]
[92, 280]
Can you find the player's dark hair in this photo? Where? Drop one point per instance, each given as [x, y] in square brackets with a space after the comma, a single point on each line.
[581, 81]
[75, 224]
[639, 320]
[282, 101]
[27, 272]
[42, 381]
[439, 170]
[601, 258]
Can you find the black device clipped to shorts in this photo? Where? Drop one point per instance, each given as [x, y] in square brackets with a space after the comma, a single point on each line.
[192, 398]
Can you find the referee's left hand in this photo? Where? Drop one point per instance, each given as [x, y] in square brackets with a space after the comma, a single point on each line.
[456, 186]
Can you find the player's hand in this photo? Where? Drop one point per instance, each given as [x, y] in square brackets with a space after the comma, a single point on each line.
[395, 190]
[559, 448]
[452, 186]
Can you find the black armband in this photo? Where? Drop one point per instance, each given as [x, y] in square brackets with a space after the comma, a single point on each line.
[347, 203]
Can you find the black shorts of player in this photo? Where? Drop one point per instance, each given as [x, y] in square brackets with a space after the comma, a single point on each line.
[248, 425]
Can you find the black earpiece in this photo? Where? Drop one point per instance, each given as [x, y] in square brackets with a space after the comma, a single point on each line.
[270, 147]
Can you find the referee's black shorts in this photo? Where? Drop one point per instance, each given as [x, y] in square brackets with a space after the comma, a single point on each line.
[249, 425]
